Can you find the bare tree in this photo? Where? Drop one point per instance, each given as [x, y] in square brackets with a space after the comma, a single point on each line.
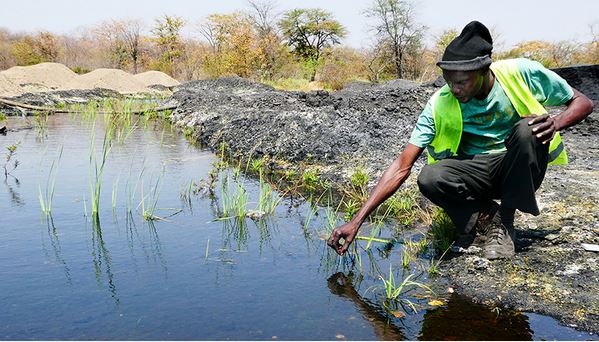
[123, 38]
[263, 17]
[396, 24]
[130, 32]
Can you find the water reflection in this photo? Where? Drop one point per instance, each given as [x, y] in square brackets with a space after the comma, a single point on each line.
[459, 319]
[235, 232]
[151, 252]
[56, 247]
[341, 286]
[102, 260]
[15, 197]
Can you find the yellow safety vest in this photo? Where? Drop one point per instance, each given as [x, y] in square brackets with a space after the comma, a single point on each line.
[447, 114]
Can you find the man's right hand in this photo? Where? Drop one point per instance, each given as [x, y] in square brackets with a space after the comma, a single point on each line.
[347, 232]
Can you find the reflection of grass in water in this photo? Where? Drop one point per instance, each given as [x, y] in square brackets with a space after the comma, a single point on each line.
[235, 230]
[47, 197]
[131, 191]
[101, 256]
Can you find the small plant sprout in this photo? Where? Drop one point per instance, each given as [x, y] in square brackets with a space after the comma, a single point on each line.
[394, 290]
[10, 156]
[310, 180]
[434, 266]
[148, 212]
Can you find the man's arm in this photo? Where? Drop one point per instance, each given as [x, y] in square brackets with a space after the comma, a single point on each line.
[390, 181]
[545, 126]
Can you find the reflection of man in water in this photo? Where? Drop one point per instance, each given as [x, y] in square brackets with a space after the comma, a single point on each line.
[460, 319]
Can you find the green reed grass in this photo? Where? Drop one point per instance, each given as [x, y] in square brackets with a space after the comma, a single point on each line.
[96, 168]
[47, 197]
[269, 200]
[234, 197]
[394, 289]
[148, 212]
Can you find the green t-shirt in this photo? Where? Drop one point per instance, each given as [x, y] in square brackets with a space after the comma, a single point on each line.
[487, 122]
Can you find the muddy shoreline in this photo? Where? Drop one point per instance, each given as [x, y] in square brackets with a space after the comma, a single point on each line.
[366, 126]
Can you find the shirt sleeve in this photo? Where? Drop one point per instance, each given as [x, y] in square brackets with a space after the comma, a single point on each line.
[424, 131]
[549, 88]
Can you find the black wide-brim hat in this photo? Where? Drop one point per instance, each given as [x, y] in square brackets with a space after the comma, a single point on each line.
[471, 50]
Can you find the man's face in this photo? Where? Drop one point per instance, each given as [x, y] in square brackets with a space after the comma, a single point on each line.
[465, 85]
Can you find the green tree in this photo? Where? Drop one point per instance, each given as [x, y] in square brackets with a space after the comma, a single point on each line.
[234, 45]
[25, 53]
[442, 40]
[167, 33]
[309, 32]
[395, 25]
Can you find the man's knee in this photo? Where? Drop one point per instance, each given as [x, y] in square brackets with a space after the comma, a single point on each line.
[428, 180]
[520, 134]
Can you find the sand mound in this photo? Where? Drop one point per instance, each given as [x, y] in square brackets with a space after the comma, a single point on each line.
[113, 79]
[48, 75]
[150, 78]
[7, 88]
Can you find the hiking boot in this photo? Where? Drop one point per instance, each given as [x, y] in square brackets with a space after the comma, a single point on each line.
[499, 241]
[477, 236]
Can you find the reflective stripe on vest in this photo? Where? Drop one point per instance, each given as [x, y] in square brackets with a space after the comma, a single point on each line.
[449, 124]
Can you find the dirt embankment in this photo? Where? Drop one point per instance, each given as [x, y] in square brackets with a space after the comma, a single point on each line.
[356, 126]
[368, 126]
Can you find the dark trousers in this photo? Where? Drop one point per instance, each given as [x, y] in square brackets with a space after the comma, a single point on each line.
[465, 187]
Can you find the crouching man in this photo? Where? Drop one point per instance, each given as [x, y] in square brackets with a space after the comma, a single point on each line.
[488, 136]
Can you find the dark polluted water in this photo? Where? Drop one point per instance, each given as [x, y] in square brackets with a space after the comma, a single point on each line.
[184, 273]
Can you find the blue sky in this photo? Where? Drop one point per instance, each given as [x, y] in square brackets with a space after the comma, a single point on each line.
[514, 20]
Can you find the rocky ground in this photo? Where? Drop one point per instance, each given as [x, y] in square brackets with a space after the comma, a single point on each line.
[365, 126]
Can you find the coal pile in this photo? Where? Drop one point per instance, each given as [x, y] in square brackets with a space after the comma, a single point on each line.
[368, 123]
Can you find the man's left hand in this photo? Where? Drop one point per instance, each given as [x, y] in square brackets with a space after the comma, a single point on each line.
[543, 127]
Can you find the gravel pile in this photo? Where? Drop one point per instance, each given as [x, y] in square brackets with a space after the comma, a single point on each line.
[43, 76]
[8, 88]
[113, 79]
[153, 78]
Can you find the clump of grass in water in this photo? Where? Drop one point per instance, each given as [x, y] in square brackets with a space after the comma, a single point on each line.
[234, 197]
[46, 198]
[96, 169]
[393, 289]
[269, 200]
[148, 213]
[442, 231]
[310, 180]
[434, 265]
[41, 121]
[10, 155]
